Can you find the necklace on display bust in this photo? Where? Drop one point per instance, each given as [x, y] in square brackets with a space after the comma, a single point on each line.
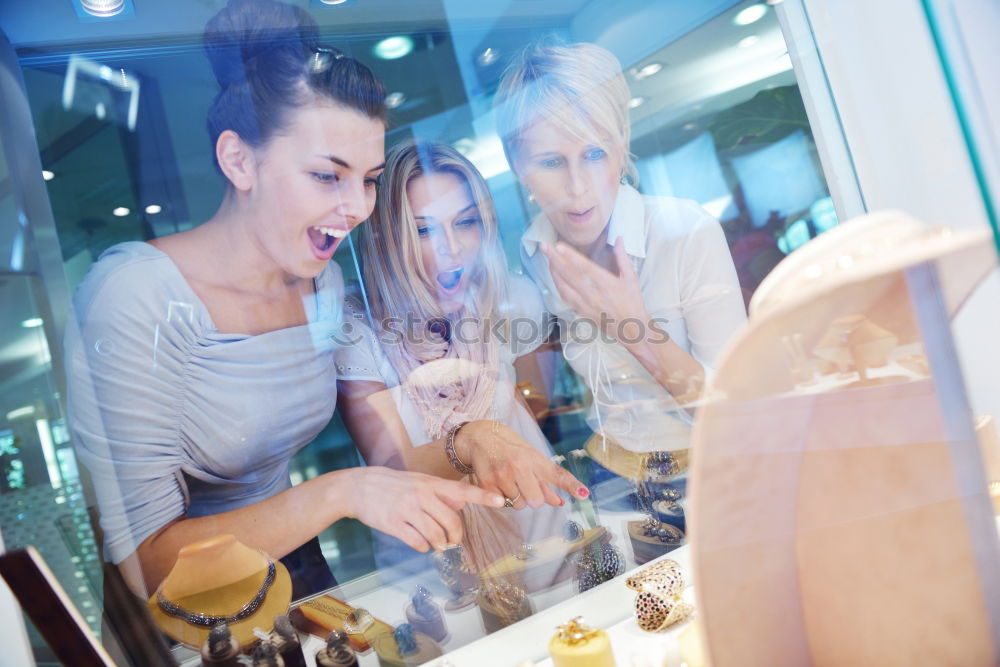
[209, 620]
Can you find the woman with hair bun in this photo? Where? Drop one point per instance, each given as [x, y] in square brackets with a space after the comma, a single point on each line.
[200, 362]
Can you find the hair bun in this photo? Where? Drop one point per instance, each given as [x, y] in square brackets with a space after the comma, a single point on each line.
[245, 29]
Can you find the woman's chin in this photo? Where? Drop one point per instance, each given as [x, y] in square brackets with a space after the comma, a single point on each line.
[450, 302]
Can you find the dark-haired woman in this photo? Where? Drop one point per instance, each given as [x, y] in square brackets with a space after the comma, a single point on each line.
[199, 363]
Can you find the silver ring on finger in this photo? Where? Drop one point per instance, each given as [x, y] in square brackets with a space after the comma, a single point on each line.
[509, 502]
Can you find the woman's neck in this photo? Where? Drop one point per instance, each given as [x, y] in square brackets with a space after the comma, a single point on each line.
[598, 251]
[232, 254]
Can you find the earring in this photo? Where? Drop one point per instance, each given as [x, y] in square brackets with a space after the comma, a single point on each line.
[624, 179]
[531, 197]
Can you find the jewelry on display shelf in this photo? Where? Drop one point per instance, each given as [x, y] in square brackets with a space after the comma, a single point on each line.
[338, 652]
[576, 644]
[456, 575]
[669, 512]
[598, 563]
[265, 654]
[659, 604]
[208, 620]
[404, 646]
[324, 614]
[220, 580]
[572, 532]
[221, 648]
[286, 640]
[425, 616]
[502, 603]
[358, 621]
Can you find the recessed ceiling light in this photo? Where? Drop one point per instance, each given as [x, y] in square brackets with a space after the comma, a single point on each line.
[487, 57]
[465, 146]
[647, 70]
[394, 100]
[32, 322]
[333, 2]
[393, 47]
[153, 209]
[121, 211]
[690, 126]
[103, 8]
[750, 14]
[748, 41]
[635, 101]
[47, 175]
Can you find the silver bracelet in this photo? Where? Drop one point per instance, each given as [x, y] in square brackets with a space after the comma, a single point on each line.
[449, 449]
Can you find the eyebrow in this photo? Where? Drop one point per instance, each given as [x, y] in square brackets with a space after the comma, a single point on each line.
[431, 217]
[343, 163]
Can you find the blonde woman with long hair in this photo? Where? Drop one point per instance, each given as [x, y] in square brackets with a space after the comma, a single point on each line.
[427, 383]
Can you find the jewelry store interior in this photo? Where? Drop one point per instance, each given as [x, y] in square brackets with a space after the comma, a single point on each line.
[696, 364]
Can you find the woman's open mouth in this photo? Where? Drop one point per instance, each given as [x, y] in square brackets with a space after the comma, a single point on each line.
[324, 240]
[581, 216]
[449, 279]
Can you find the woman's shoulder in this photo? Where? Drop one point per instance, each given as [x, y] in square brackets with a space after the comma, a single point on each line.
[675, 217]
[134, 274]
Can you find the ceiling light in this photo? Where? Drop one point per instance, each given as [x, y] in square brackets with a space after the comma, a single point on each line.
[647, 70]
[333, 2]
[748, 41]
[394, 100]
[103, 8]
[690, 126]
[47, 175]
[32, 322]
[750, 14]
[465, 146]
[393, 47]
[121, 211]
[152, 209]
[635, 101]
[487, 57]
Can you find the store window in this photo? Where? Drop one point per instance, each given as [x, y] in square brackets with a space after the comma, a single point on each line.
[716, 118]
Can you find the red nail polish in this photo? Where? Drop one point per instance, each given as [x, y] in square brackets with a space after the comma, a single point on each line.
[583, 492]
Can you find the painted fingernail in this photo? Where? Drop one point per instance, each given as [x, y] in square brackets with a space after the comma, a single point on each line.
[582, 492]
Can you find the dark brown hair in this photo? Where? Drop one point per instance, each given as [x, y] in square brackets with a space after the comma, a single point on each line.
[268, 60]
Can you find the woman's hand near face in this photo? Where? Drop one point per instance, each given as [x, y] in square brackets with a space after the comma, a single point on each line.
[421, 510]
[597, 294]
[504, 462]
[616, 303]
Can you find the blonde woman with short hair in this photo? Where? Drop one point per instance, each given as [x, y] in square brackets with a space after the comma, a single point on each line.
[431, 360]
[643, 287]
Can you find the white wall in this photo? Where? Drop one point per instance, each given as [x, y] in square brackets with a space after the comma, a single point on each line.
[905, 140]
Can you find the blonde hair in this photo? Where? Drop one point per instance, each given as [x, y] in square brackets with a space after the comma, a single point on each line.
[579, 86]
[390, 245]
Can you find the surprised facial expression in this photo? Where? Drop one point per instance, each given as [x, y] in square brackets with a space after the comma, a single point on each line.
[450, 232]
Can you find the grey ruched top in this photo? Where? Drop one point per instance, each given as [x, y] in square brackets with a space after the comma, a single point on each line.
[172, 417]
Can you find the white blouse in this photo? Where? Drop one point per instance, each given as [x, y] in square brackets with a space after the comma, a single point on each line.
[689, 285]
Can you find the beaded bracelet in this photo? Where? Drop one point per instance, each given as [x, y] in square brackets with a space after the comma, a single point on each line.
[449, 450]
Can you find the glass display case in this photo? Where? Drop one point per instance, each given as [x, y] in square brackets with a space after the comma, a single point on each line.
[424, 244]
